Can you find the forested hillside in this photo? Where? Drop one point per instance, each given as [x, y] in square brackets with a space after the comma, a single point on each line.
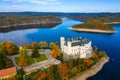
[8, 21]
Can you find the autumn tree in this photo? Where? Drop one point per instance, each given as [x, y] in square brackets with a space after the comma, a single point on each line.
[43, 44]
[11, 48]
[8, 62]
[88, 62]
[35, 52]
[63, 70]
[23, 58]
[43, 75]
[55, 50]
[52, 45]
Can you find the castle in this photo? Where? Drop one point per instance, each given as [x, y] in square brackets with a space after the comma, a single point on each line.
[76, 47]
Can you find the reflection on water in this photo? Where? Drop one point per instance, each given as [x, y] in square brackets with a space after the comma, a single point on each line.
[18, 37]
[13, 28]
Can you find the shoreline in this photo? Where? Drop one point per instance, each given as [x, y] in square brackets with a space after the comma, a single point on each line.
[112, 23]
[28, 26]
[92, 30]
[93, 70]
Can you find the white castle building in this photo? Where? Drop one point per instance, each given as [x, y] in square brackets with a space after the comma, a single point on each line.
[76, 47]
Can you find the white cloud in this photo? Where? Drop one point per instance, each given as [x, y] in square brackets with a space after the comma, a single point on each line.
[12, 8]
[35, 1]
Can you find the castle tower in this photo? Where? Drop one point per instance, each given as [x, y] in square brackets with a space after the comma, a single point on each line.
[62, 42]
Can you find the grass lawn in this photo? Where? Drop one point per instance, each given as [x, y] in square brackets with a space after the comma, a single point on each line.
[31, 60]
[42, 57]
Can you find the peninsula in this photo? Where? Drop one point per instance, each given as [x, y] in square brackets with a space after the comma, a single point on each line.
[94, 26]
[38, 61]
[93, 70]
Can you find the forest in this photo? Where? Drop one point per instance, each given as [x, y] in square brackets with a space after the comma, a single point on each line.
[63, 71]
[10, 21]
[104, 17]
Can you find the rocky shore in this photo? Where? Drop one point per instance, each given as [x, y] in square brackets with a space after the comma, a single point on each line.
[93, 30]
[28, 26]
[25, 24]
[112, 23]
[93, 70]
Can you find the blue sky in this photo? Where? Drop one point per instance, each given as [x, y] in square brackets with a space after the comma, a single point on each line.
[60, 5]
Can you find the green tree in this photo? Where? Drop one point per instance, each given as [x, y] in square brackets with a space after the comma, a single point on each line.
[2, 48]
[35, 52]
[60, 57]
[2, 64]
[8, 62]
[20, 74]
[73, 71]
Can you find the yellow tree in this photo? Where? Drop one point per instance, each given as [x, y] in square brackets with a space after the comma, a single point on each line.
[55, 50]
[23, 58]
[43, 44]
[52, 45]
[54, 53]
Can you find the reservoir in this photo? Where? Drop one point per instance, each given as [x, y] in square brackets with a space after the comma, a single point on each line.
[107, 42]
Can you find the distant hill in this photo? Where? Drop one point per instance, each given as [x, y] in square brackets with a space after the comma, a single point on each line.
[104, 17]
[13, 21]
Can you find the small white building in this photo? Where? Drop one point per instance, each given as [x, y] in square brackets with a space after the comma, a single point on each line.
[76, 47]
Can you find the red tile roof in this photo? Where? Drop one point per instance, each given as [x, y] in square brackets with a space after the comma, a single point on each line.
[8, 71]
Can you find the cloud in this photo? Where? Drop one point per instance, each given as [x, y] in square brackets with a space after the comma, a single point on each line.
[34, 1]
[12, 8]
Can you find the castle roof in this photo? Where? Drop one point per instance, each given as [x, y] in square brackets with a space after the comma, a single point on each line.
[77, 41]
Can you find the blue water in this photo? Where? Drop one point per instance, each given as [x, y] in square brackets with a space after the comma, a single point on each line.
[108, 42]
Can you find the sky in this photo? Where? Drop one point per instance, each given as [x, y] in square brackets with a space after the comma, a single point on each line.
[60, 5]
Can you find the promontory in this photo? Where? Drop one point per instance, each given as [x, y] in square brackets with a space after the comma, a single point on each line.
[94, 26]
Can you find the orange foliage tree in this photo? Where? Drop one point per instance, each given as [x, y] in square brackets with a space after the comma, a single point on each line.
[63, 70]
[54, 53]
[11, 48]
[34, 45]
[55, 50]
[88, 62]
[43, 75]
